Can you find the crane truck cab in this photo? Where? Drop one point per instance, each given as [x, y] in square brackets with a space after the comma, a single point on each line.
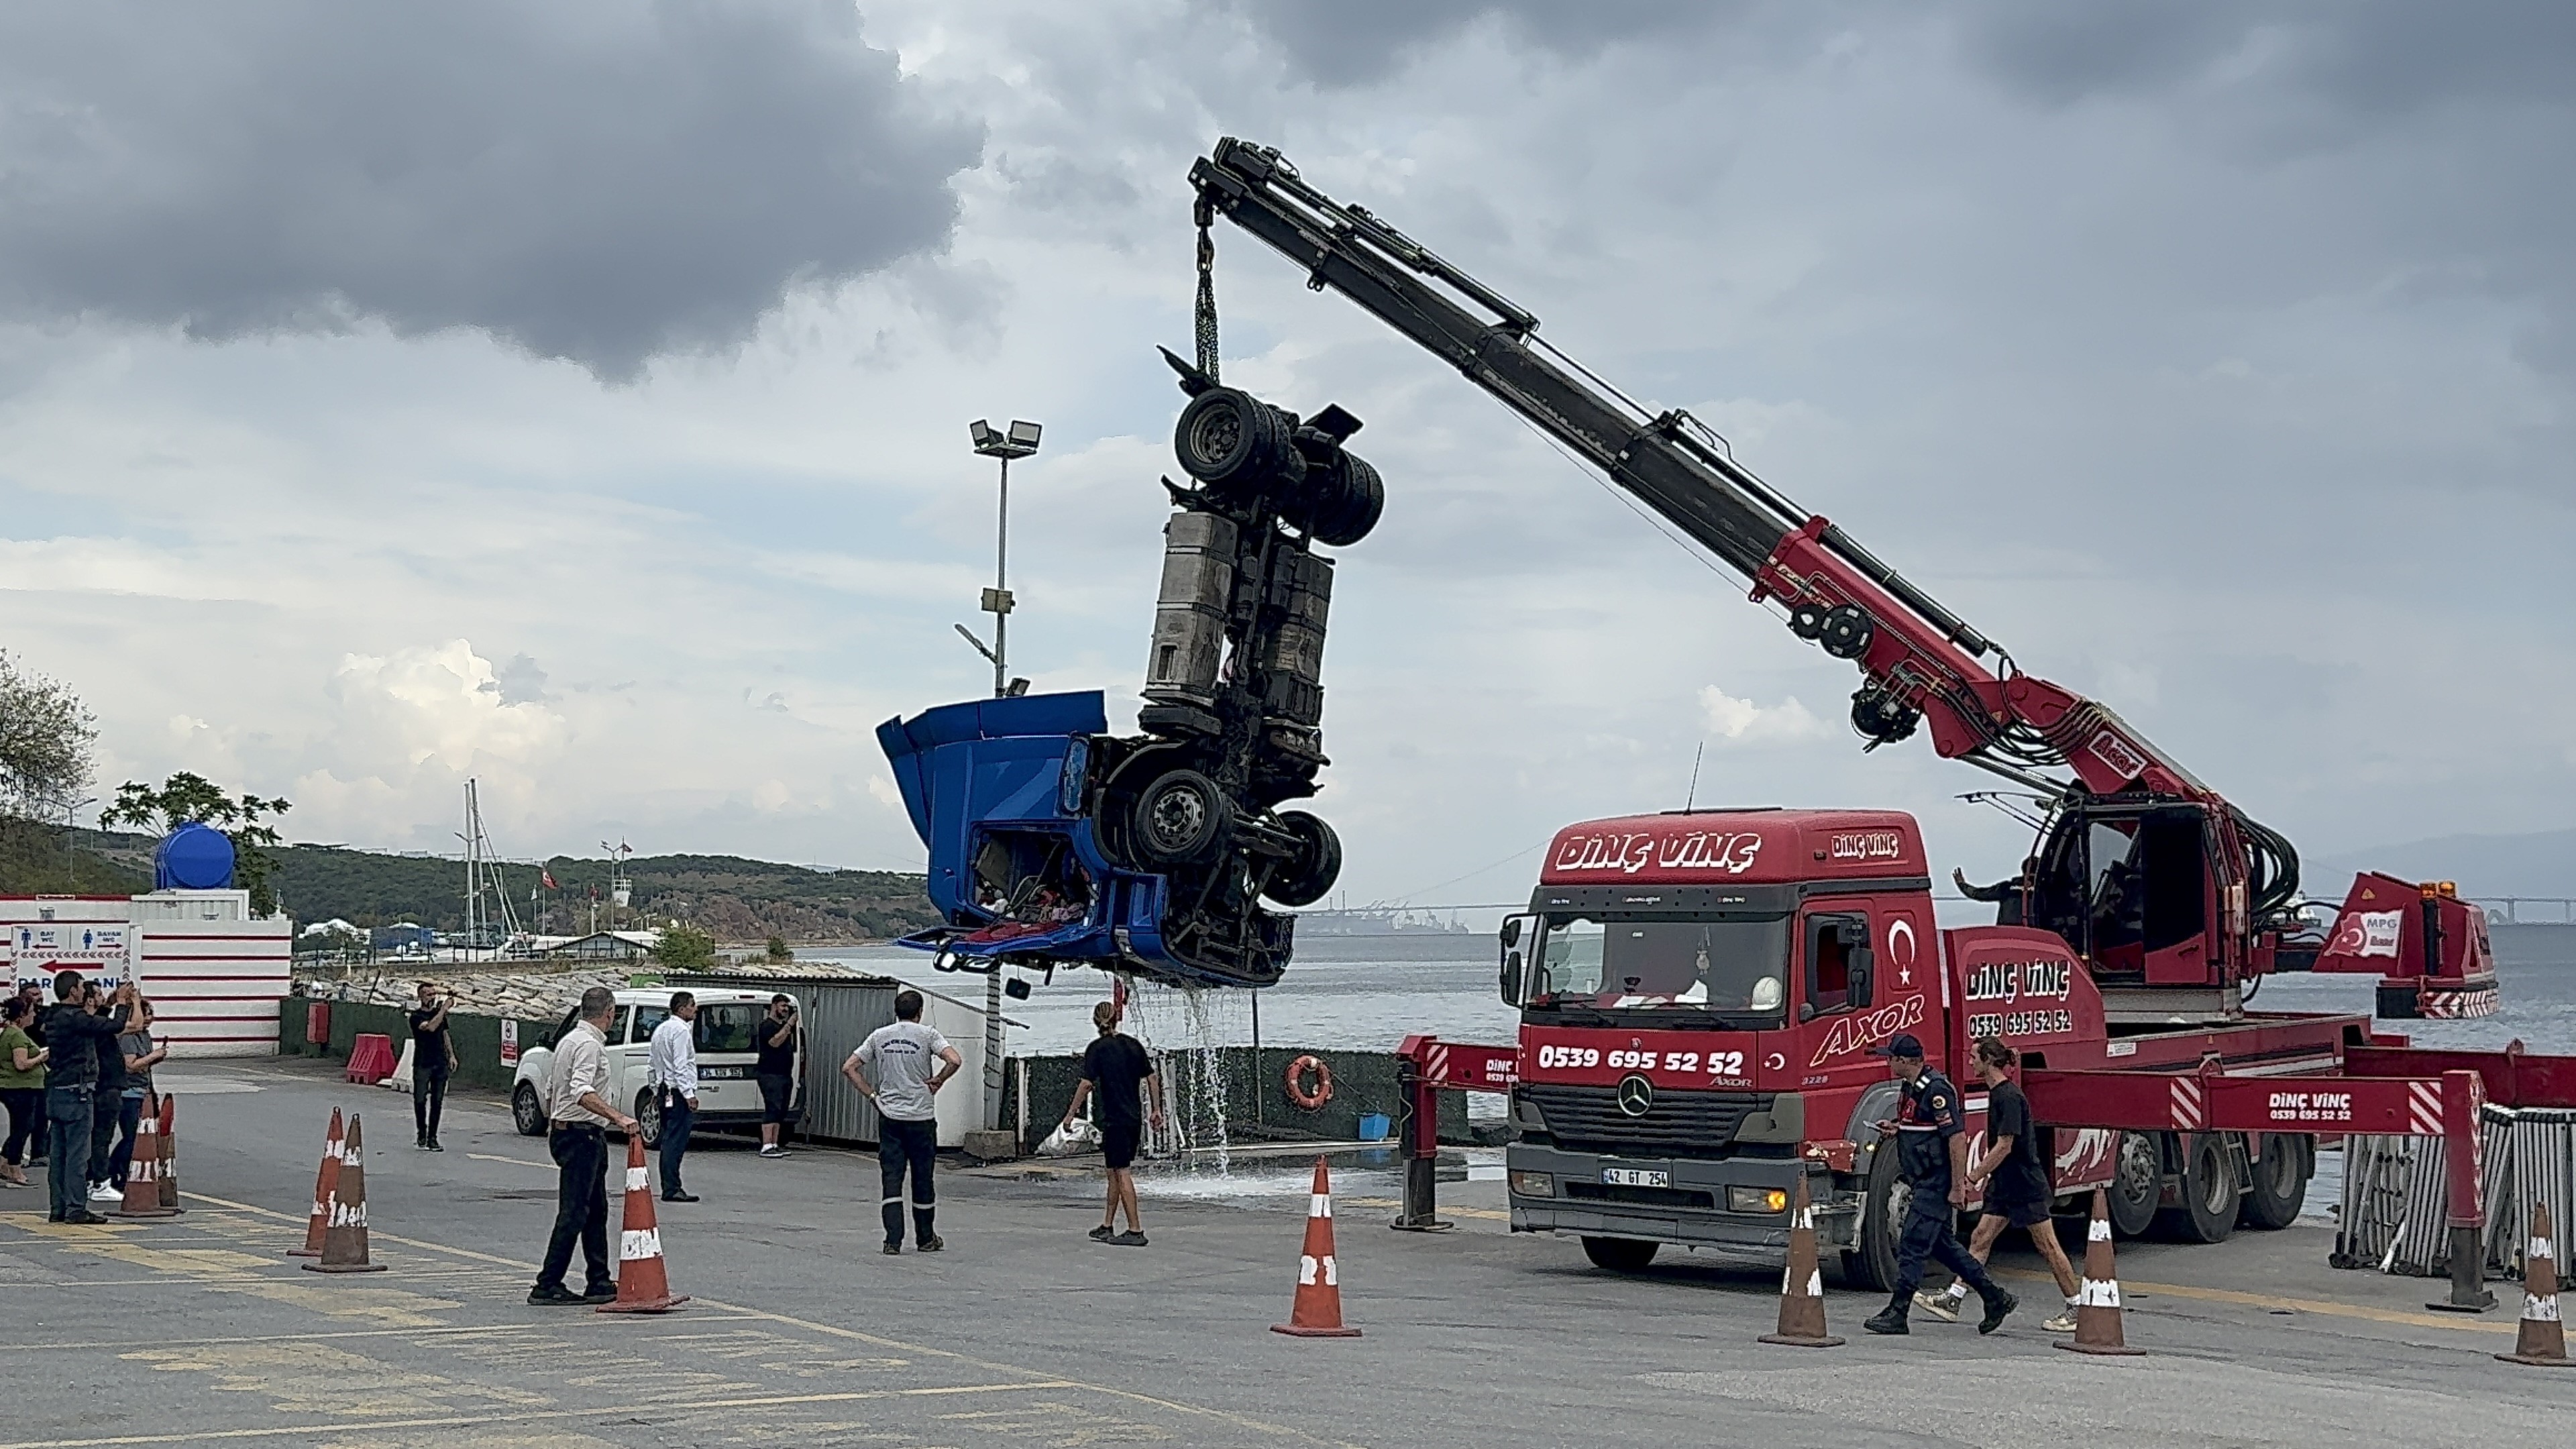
[1699, 993]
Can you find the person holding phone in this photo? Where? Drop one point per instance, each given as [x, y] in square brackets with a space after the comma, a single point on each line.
[775, 1040]
[22, 1088]
[433, 1059]
[141, 1055]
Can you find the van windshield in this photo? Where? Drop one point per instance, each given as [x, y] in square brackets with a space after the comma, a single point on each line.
[1735, 966]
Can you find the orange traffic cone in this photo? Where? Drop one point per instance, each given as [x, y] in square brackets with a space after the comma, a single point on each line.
[1318, 1310]
[143, 1173]
[169, 1170]
[1802, 1287]
[642, 1286]
[344, 1238]
[326, 1184]
[2097, 1303]
[2540, 1339]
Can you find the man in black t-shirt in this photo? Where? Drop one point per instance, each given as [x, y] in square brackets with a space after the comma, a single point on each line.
[432, 1059]
[774, 1038]
[1118, 1070]
[2015, 1172]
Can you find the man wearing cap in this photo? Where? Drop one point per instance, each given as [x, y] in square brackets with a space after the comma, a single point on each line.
[1932, 1155]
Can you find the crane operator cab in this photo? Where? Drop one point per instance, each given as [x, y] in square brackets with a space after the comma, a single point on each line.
[2140, 886]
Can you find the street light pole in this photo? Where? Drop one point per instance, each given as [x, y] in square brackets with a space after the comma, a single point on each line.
[1020, 441]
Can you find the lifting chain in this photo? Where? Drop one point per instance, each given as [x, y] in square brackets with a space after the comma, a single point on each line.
[1206, 314]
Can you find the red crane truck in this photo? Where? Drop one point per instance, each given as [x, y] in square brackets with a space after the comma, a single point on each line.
[1698, 990]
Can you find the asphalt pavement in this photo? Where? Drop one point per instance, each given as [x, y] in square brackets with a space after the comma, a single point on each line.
[197, 1329]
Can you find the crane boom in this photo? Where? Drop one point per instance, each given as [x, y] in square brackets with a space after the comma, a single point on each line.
[1920, 662]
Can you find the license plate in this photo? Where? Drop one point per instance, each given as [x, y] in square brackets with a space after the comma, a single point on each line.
[718, 1074]
[1636, 1177]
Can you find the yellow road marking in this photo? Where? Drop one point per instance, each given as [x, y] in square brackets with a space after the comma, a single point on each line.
[2326, 1307]
[1244, 1421]
[467, 1421]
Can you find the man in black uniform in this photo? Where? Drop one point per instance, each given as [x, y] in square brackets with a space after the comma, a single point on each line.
[2010, 898]
[1932, 1156]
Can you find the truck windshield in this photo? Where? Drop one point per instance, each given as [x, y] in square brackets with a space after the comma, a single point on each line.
[1735, 966]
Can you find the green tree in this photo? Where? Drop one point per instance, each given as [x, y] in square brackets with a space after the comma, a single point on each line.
[778, 950]
[184, 798]
[685, 948]
[45, 739]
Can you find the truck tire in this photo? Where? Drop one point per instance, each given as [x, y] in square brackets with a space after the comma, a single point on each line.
[526, 1112]
[2137, 1183]
[1182, 818]
[2207, 1190]
[1871, 1266]
[648, 1118]
[1620, 1255]
[1234, 442]
[1349, 498]
[2280, 1182]
[1304, 881]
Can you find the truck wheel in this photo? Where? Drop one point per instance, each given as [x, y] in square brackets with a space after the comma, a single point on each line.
[1872, 1265]
[1349, 499]
[2137, 1183]
[2280, 1185]
[1318, 864]
[1620, 1255]
[1229, 439]
[648, 1118]
[2207, 1212]
[526, 1112]
[1181, 818]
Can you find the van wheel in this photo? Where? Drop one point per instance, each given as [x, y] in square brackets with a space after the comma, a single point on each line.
[526, 1112]
[1182, 818]
[2280, 1185]
[648, 1118]
[2137, 1183]
[2207, 1212]
[1620, 1255]
[1871, 1266]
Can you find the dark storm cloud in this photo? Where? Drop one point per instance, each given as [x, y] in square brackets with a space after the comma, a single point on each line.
[1351, 42]
[586, 180]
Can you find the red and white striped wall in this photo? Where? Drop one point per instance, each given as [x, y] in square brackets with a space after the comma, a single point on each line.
[214, 975]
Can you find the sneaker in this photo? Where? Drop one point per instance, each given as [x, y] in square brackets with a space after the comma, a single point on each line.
[554, 1297]
[106, 1192]
[85, 1218]
[1890, 1319]
[434, 1147]
[1940, 1305]
[604, 1293]
[53, 1217]
[2062, 1323]
[893, 1249]
[1132, 1238]
[679, 1197]
[931, 1244]
[1999, 1304]
[1104, 1234]
[773, 1150]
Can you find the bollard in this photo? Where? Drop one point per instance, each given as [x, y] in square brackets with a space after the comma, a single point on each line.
[1418, 1103]
[2465, 1216]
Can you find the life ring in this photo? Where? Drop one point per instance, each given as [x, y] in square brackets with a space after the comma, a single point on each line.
[1297, 1093]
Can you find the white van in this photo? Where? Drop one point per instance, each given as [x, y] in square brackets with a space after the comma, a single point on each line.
[727, 1092]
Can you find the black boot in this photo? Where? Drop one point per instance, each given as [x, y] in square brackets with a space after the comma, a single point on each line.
[1998, 1304]
[1891, 1319]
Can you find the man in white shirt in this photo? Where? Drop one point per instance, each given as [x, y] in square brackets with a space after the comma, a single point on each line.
[578, 1116]
[674, 1064]
[910, 1063]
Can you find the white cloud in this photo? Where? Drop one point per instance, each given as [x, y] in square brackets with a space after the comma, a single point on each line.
[1730, 718]
[441, 702]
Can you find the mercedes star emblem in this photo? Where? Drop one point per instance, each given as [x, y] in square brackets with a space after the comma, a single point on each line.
[1636, 1095]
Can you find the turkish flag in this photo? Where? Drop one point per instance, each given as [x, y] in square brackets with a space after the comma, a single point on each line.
[546, 876]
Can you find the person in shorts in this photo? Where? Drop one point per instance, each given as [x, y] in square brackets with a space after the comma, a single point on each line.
[2015, 1174]
[901, 1067]
[1116, 1068]
[776, 1040]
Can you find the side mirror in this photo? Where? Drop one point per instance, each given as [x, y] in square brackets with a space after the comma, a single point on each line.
[1511, 982]
[1511, 930]
[1860, 975]
[1806, 1011]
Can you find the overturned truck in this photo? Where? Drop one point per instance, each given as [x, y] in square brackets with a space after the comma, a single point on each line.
[1053, 842]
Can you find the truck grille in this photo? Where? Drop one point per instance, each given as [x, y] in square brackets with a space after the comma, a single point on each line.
[1679, 1124]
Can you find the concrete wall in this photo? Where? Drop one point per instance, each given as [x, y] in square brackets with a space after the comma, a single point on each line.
[1254, 1094]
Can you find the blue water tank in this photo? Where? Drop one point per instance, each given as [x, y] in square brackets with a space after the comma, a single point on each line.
[193, 857]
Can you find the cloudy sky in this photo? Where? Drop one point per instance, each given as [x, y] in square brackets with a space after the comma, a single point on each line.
[575, 396]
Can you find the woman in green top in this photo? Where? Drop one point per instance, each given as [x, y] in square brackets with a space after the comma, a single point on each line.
[22, 1087]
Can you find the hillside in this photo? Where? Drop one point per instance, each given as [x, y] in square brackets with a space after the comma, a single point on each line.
[733, 898]
[2486, 866]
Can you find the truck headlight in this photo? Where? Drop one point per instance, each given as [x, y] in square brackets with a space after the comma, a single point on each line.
[1756, 1200]
[1533, 1184]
